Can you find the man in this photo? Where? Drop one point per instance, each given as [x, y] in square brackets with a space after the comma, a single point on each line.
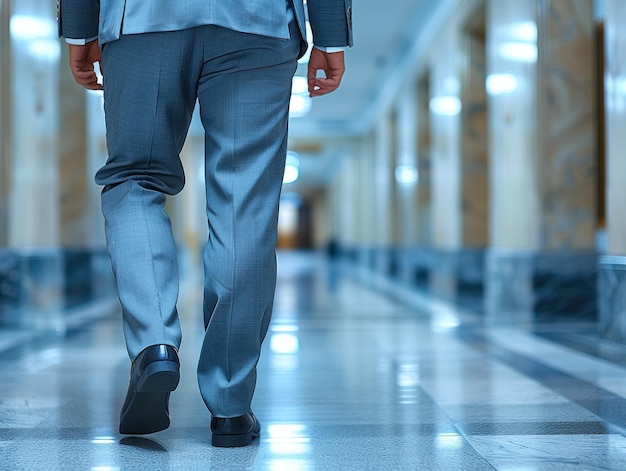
[237, 59]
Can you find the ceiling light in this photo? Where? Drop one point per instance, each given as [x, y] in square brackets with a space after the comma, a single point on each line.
[500, 84]
[519, 51]
[445, 105]
[32, 27]
[524, 31]
[406, 174]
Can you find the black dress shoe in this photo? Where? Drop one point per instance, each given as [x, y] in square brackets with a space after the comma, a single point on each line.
[235, 431]
[154, 375]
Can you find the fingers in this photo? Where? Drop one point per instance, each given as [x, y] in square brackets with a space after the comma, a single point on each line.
[85, 75]
[82, 60]
[311, 76]
[87, 79]
[323, 86]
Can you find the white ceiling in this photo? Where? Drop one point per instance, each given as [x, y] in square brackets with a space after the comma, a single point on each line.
[385, 34]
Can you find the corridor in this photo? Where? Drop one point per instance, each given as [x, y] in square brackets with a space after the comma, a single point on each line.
[357, 373]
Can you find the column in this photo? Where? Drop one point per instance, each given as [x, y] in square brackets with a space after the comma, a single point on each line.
[8, 285]
[340, 206]
[474, 156]
[424, 254]
[334, 203]
[367, 199]
[612, 264]
[383, 190]
[565, 280]
[540, 61]
[72, 158]
[349, 202]
[445, 111]
[55, 250]
[5, 119]
[34, 209]
[406, 179]
[423, 195]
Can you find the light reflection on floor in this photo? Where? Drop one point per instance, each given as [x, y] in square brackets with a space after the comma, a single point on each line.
[357, 373]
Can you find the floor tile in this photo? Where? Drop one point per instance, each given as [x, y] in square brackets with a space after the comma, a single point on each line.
[358, 372]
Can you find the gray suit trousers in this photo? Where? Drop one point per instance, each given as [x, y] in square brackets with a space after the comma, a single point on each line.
[243, 84]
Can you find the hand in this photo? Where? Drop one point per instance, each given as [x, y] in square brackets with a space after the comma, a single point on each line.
[82, 59]
[333, 66]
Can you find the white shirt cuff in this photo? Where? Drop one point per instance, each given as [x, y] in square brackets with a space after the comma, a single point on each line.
[80, 42]
[330, 49]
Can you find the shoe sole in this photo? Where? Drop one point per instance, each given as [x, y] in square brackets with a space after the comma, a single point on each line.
[147, 410]
[243, 439]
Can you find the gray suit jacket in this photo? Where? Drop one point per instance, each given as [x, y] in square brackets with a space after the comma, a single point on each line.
[331, 20]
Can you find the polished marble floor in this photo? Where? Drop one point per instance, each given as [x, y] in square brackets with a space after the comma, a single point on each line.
[357, 373]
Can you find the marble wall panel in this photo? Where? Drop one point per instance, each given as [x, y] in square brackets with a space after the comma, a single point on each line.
[565, 285]
[442, 280]
[37, 286]
[457, 274]
[540, 286]
[9, 284]
[509, 287]
[474, 205]
[543, 180]
[40, 290]
[612, 297]
[474, 143]
[366, 257]
[566, 124]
